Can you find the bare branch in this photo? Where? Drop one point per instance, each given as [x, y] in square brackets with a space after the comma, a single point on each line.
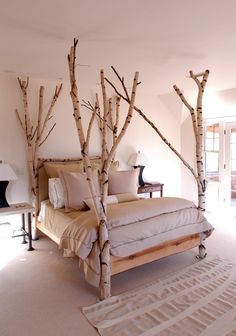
[47, 134]
[88, 105]
[189, 107]
[40, 112]
[110, 113]
[115, 128]
[116, 91]
[33, 133]
[105, 114]
[18, 116]
[53, 102]
[91, 124]
[122, 82]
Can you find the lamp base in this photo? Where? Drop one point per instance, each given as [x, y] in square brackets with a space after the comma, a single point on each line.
[140, 177]
[3, 187]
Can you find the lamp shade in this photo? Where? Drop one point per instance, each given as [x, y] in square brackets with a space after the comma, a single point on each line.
[6, 172]
[137, 159]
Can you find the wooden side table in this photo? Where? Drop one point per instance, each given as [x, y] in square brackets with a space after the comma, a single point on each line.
[150, 188]
[23, 209]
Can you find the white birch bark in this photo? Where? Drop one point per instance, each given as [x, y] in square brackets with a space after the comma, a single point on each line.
[100, 201]
[196, 116]
[35, 137]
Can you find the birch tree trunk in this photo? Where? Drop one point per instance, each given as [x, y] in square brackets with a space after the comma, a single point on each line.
[100, 201]
[196, 116]
[35, 137]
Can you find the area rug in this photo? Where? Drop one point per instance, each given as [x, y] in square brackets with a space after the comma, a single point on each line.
[198, 300]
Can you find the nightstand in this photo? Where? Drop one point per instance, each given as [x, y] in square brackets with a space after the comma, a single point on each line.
[23, 209]
[150, 188]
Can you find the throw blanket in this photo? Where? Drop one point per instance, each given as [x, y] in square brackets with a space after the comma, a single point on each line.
[197, 300]
[133, 226]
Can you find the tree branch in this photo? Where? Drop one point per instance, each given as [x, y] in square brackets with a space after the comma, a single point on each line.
[47, 134]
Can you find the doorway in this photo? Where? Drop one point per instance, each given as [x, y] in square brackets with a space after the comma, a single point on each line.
[220, 163]
[230, 163]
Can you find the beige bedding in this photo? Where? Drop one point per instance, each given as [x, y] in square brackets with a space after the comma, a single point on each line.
[133, 227]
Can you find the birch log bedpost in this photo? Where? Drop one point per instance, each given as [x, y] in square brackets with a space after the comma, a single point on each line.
[100, 201]
[35, 136]
[196, 116]
[199, 176]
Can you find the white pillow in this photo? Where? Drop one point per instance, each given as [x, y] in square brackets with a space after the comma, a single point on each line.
[56, 193]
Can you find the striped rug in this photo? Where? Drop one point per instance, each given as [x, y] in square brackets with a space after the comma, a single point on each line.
[198, 300]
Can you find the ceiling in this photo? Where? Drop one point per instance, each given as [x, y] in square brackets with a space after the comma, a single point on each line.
[162, 39]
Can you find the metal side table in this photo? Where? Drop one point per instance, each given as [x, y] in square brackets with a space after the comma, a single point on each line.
[23, 209]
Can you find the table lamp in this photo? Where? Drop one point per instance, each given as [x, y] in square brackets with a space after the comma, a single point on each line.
[138, 160]
[6, 174]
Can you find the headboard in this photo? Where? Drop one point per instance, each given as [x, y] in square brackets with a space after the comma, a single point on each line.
[73, 164]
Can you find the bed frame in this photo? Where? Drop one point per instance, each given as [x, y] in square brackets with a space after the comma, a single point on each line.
[118, 264]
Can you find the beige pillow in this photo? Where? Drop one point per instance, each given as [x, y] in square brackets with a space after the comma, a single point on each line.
[120, 182]
[96, 164]
[76, 189]
[127, 197]
[110, 200]
[113, 199]
[53, 168]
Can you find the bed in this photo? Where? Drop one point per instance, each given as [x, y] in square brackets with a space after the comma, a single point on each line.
[140, 230]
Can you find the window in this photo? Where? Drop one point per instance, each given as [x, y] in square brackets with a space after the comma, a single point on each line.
[212, 151]
[233, 150]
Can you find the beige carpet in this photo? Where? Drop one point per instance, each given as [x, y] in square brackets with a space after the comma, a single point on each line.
[198, 300]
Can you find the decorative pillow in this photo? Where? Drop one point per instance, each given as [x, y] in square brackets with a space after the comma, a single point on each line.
[110, 200]
[127, 197]
[76, 189]
[96, 164]
[53, 168]
[113, 199]
[120, 182]
[56, 193]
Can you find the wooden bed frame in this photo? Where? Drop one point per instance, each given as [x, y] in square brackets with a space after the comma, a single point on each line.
[118, 264]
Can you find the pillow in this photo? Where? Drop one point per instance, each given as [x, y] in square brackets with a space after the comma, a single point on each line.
[127, 197]
[76, 189]
[110, 200]
[120, 182]
[113, 199]
[56, 193]
[52, 168]
[96, 164]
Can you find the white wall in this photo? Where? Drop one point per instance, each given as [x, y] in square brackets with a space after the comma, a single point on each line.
[163, 165]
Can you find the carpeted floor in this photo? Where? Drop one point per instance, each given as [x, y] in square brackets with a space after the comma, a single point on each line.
[42, 293]
[198, 300]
